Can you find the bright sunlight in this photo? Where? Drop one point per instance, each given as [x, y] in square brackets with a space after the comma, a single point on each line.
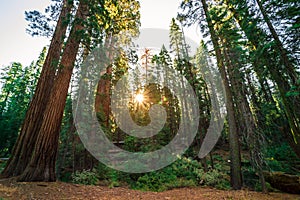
[139, 98]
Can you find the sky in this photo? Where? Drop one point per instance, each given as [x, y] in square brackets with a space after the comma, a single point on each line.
[18, 46]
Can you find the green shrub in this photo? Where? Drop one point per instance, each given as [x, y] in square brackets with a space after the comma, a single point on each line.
[85, 177]
[249, 177]
[182, 173]
[216, 179]
[102, 171]
[66, 177]
[192, 170]
[185, 167]
[155, 181]
[181, 182]
[111, 176]
[281, 158]
[259, 188]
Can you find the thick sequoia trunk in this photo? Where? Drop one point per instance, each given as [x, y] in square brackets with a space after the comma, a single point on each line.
[42, 164]
[236, 175]
[27, 138]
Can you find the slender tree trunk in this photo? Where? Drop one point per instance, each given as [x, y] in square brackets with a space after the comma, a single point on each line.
[257, 64]
[290, 104]
[283, 53]
[253, 140]
[235, 157]
[236, 175]
[190, 76]
[27, 138]
[292, 111]
[102, 100]
[294, 137]
[42, 164]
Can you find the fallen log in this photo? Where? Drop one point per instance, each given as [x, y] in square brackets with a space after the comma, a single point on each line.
[284, 182]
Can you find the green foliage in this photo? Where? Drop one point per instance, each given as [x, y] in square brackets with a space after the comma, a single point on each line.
[277, 158]
[66, 140]
[18, 87]
[295, 91]
[113, 177]
[215, 179]
[161, 139]
[85, 177]
[66, 177]
[282, 158]
[182, 173]
[258, 187]
[2, 166]
[155, 181]
[251, 180]
[245, 55]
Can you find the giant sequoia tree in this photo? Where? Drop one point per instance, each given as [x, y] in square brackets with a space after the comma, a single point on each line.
[35, 152]
[25, 143]
[42, 163]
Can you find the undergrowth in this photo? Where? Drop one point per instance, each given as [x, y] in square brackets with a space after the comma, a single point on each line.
[182, 173]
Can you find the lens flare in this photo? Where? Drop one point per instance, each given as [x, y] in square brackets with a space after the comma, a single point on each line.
[139, 98]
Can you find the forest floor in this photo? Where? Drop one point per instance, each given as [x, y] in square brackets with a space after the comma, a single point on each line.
[59, 190]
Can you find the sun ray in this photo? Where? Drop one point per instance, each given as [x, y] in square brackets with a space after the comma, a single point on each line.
[139, 98]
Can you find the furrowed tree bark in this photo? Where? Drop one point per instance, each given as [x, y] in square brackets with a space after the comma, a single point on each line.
[26, 140]
[235, 167]
[42, 163]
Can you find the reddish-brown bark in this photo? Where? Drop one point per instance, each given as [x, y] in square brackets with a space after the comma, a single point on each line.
[42, 164]
[27, 138]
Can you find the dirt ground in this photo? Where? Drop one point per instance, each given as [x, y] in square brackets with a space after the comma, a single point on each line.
[59, 190]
